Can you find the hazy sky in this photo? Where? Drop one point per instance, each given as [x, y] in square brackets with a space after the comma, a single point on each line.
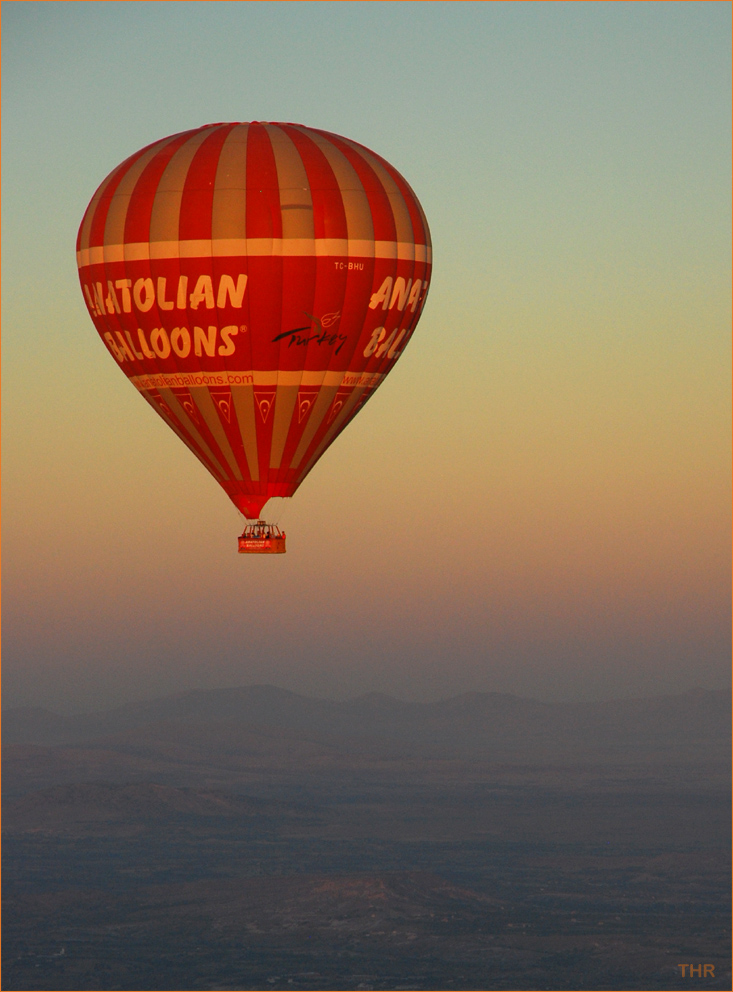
[537, 499]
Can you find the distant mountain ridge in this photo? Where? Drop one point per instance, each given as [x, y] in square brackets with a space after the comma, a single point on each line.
[109, 805]
[473, 720]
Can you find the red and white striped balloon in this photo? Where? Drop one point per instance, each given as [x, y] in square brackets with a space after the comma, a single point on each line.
[255, 282]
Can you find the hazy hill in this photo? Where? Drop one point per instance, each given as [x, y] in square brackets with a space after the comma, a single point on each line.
[472, 720]
[83, 808]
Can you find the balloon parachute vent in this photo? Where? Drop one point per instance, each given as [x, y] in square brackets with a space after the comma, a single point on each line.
[260, 538]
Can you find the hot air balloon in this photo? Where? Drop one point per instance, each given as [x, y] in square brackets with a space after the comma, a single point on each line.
[255, 282]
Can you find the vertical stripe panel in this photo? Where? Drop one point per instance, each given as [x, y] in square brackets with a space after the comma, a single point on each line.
[381, 210]
[296, 201]
[114, 231]
[263, 192]
[137, 221]
[166, 209]
[328, 206]
[198, 185]
[359, 226]
[229, 206]
[208, 412]
[403, 224]
[191, 437]
[284, 407]
[104, 193]
[244, 407]
[319, 412]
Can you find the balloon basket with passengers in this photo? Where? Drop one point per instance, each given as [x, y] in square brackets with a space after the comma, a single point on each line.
[255, 282]
[260, 538]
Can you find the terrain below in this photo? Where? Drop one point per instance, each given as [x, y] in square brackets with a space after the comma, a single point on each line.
[256, 839]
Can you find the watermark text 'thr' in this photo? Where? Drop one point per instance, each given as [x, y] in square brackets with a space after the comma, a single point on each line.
[697, 970]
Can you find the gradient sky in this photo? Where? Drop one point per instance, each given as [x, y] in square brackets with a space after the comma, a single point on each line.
[536, 501]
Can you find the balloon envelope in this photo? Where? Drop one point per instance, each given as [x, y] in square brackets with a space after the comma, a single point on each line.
[255, 282]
